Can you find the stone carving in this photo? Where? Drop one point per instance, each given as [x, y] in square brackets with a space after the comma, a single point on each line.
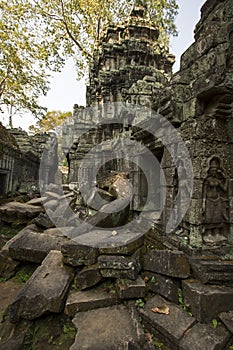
[50, 160]
[215, 204]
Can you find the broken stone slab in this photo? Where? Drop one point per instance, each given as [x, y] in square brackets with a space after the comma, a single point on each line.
[79, 254]
[52, 204]
[43, 221]
[227, 319]
[88, 277]
[117, 213]
[37, 201]
[110, 215]
[111, 328]
[52, 195]
[128, 289]
[165, 286]
[94, 298]
[85, 249]
[117, 266]
[121, 187]
[172, 263]
[8, 266]
[205, 337]
[45, 291]
[207, 301]
[59, 231]
[168, 328]
[16, 212]
[213, 271]
[98, 198]
[34, 246]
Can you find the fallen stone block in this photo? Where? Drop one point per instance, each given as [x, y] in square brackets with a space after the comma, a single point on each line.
[88, 277]
[78, 254]
[85, 249]
[95, 298]
[98, 198]
[169, 328]
[117, 266]
[43, 221]
[167, 262]
[165, 286]
[227, 319]
[205, 337]
[37, 201]
[8, 266]
[207, 301]
[45, 291]
[128, 289]
[20, 213]
[34, 246]
[110, 328]
[121, 187]
[213, 271]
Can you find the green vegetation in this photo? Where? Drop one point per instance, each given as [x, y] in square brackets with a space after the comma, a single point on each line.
[54, 332]
[21, 277]
[39, 35]
[139, 303]
[182, 303]
[215, 323]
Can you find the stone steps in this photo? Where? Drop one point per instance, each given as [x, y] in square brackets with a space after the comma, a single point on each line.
[163, 276]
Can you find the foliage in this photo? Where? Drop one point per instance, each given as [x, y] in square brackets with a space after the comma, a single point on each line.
[25, 58]
[38, 35]
[139, 303]
[182, 303]
[21, 277]
[215, 323]
[50, 121]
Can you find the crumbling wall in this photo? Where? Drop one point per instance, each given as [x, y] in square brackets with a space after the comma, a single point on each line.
[199, 102]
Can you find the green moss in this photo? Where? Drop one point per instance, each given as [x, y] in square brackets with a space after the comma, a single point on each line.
[25, 272]
[53, 332]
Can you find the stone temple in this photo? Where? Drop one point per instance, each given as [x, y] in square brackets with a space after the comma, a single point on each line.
[136, 250]
[130, 67]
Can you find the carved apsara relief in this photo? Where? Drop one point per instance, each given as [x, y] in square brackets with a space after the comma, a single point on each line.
[215, 204]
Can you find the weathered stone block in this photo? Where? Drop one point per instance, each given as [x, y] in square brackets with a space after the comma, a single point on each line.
[43, 221]
[8, 266]
[207, 301]
[167, 262]
[45, 291]
[128, 289]
[116, 266]
[213, 271]
[95, 298]
[205, 337]
[37, 201]
[122, 242]
[19, 212]
[78, 254]
[167, 287]
[34, 246]
[110, 328]
[169, 328]
[227, 319]
[88, 277]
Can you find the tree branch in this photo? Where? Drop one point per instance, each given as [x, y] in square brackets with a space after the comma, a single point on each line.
[81, 48]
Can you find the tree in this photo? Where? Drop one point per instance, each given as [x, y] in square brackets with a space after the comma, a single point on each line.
[50, 121]
[25, 58]
[38, 35]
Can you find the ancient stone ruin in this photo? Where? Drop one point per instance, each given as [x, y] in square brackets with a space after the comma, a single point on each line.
[110, 268]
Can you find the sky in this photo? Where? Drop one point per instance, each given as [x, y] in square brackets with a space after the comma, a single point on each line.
[65, 90]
